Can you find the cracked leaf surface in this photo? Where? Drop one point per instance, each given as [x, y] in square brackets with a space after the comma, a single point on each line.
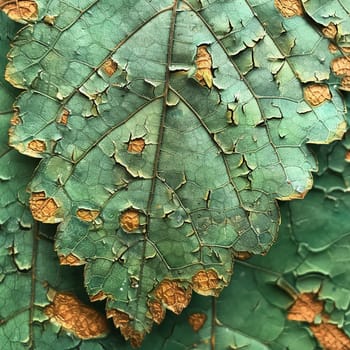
[221, 114]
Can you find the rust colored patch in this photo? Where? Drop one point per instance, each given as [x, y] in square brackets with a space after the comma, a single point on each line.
[71, 260]
[87, 215]
[330, 336]
[206, 282]
[341, 66]
[37, 146]
[20, 10]
[64, 116]
[74, 316]
[173, 295]
[120, 318]
[136, 145]
[43, 209]
[289, 8]
[305, 308]
[109, 67]
[345, 83]
[130, 220]
[315, 94]
[197, 320]
[135, 337]
[347, 156]
[332, 48]
[330, 31]
[15, 120]
[99, 296]
[157, 311]
[203, 62]
[345, 49]
[122, 321]
[242, 255]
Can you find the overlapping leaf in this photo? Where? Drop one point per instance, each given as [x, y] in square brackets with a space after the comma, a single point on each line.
[29, 268]
[168, 129]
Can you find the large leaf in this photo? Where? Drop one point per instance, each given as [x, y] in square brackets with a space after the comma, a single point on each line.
[168, 129]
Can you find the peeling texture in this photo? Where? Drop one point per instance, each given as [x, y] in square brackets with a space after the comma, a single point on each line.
[43, 209]
[197, 320]
[74, 316]
[199, 186]
[130, 220]
[315, 94]
[38, 146]
[206, 283]
[306, 308]
[330, 336]
[110, 67]
[99, 296]
[341, 66]
[203, 62]
[173, 295]
[157, 311]
[121, 320]
[20, 10]
[63, 118]
[136, 145]
[289, 8]
[71, 260]
[330, 31]
[87, 215]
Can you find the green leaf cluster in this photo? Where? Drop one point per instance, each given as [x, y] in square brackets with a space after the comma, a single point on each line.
[166, 132]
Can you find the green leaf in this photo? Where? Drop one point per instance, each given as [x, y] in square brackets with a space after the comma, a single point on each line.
[334, 16]
[29, 268]
[167, 131]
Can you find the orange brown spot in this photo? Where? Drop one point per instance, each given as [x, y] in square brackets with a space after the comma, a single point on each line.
[341, 66]
[37, 146]
[122, 321]
[345, 83]
[203, 62]
[20, 10]
[157, 311]
[71, 260]
[305, 308]
[242, 255]
[197, 321]
[136, 145]
[347, 156]
[109, 67]
[289, 8]
[206, 282]
[15, 120]
[63, 118]
[43, 209]
[332, 48]
[74, 316]
[330, 336]
[99, 296]
[173, 295]
[330, 31]
[130, 220]
[315, 94]
[87, 215]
